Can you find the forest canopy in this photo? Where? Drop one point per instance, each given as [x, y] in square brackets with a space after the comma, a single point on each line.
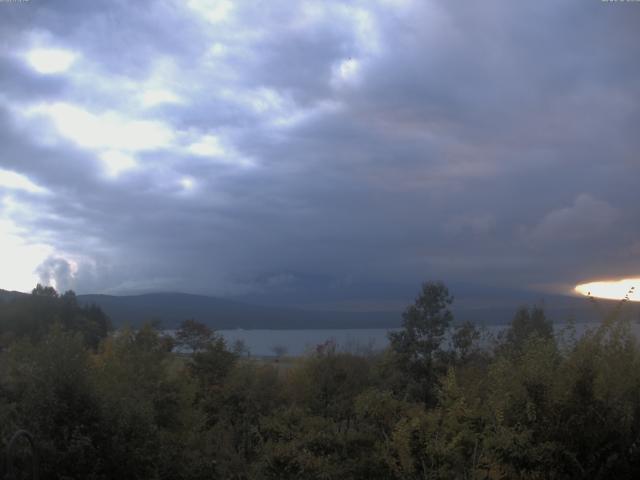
[443, 401]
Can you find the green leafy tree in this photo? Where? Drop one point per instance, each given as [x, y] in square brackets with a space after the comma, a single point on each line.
[147, 408]
[32, 316]
[464, 342]
[50, 393]
[44, 291]
[212, 364]
[195, 336]
[235, 410]
[527, 322]
[416, 347]
[326, 382]
[439, 443]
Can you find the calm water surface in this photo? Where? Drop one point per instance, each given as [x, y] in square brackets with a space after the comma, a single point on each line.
[298, 342]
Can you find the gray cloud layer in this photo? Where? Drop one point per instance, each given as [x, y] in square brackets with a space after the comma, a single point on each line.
[354, 149]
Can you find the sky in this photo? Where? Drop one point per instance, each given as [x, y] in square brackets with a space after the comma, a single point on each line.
[317, 152]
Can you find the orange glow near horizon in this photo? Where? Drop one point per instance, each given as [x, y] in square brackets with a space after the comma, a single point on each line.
[628, 288]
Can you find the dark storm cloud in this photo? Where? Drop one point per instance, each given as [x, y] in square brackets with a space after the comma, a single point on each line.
[327, 152]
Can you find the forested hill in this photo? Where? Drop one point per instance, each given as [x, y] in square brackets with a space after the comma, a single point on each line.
[218, 313]
[7, 295]
[171, 308]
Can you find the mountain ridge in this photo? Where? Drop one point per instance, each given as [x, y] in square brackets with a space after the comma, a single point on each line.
[170, 308]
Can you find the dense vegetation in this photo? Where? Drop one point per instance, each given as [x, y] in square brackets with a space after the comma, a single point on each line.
[440, 403]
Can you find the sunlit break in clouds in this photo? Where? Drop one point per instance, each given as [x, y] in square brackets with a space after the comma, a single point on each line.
[19, 259]
[627, 288]
[14, 181]
[105, 130]
[50, 61]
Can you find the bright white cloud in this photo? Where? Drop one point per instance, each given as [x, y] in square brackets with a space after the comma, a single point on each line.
[217, 50]
[109, 130]
[292, 117]
[16, 181]
[265, 99]
[117, 162]
[50, 60]
[214, 11]
[346, 72]
[309, 14]
[153, 97]
[162, 83]
[59, 272]
[398, 4]
[366, 30]
[187, 183]
[210, 146]
[18, 256]
[207, 146]
[19, 261]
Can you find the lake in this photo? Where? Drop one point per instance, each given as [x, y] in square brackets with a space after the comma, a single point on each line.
[298, 342]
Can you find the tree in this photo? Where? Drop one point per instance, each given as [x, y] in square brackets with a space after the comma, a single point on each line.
[241, 348]
[235, 410]
[212, 364]
[32, 316]
[49, 388]
[417, 345]
[327, 381]
[44, 291]
[526, 323]
[424, 323]
[194, 335]
[146, 408]
[279, 351]
[464, 340]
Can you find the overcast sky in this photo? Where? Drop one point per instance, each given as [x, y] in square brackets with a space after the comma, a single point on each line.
[291, 149]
